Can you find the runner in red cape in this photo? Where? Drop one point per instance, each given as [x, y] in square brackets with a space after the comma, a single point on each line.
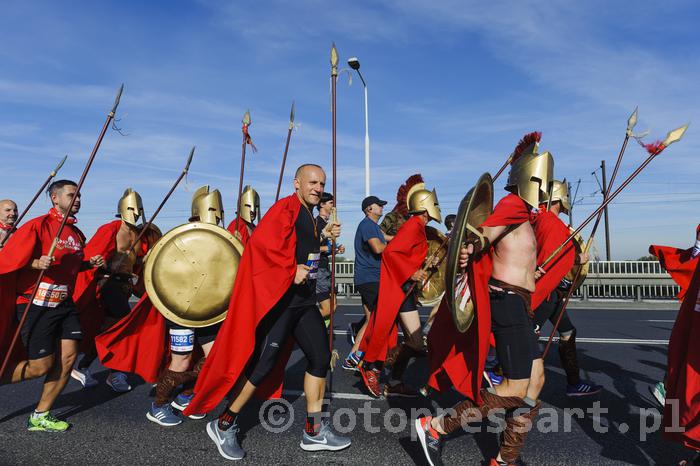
[680, 264]
[8, 217]
[273, 304]
[400, 268]
[457, 360]
[681, 418]
[138, 342]
[501, 281]
[51, 332]
[553, 286]
[102, 295]
[248, 211]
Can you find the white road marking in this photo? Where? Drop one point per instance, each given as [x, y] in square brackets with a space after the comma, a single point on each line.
[618, 341]
[340, 396]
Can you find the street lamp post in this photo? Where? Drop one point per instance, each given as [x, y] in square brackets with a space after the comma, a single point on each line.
[354, 63]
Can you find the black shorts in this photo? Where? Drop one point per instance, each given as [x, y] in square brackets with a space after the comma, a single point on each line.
[410, 303]
[45, 325]
[114, 296]
[323, 284]
[369, 292]
[182, 339]
[513, 330]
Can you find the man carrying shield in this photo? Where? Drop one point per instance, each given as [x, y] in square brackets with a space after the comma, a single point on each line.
[158, 341]
[501, 259]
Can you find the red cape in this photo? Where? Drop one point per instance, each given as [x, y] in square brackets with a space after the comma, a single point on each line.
[678, 263]
[550, 233]
[683, 376]
[265, 273]
[457, 359]
[242, 230]
[403, 256]
[137, 343]
[23, 246]
[103, 243]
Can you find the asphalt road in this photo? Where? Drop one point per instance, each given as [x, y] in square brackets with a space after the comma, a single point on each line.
[623, 350]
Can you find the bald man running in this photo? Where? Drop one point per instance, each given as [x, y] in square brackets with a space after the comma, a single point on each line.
[8, 217]
[268, 312]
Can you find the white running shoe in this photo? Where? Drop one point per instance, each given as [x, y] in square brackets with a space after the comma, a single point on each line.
[117, 381]
[84, 376]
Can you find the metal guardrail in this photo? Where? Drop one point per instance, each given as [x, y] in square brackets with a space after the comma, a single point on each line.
[627, 280]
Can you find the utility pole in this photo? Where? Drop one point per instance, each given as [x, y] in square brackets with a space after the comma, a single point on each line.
[605, 211]
[571, 202]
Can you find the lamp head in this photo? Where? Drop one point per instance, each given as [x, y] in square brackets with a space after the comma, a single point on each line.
[354, 63]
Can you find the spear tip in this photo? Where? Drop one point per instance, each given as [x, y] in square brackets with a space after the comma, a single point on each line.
[632, 120]
[675, 135]
[117, 99]
[334, 59]
[291, 116]
[246, 118]
[189, 159]
[60, 164]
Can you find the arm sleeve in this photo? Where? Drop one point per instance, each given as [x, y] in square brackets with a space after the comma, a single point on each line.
[368, 232]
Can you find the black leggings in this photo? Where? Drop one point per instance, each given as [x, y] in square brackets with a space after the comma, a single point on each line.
[306, 325]
[550, 310]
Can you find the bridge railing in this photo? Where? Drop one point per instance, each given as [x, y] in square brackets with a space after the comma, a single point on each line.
[628, 280]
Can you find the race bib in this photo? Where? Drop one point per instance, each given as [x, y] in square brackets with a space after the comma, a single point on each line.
[312, 263]
[50, 294]
[181, 340]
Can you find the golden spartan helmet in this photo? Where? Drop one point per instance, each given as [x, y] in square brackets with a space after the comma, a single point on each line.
[530, 175]
[130, 207]
[421, 200]
[249, 209]
[560, 192]
[207, 206]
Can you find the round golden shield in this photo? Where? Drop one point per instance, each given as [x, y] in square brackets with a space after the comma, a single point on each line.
[190, 272]
[474, 209]
[578, 269]
[432, 291]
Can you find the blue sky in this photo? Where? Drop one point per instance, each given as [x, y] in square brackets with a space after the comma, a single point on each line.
[452, 85]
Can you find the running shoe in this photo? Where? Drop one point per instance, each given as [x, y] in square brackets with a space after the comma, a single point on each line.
[659, 392]
[226, 441]
[84, 376]
[163, 415]
[493, 378]
[45, 422]
[583, 389]
[430, 440]
[117, 381]
[182, 401]
[350, 363]
[370, 377]
[400, 390]
[325, 440]
[495, 462]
